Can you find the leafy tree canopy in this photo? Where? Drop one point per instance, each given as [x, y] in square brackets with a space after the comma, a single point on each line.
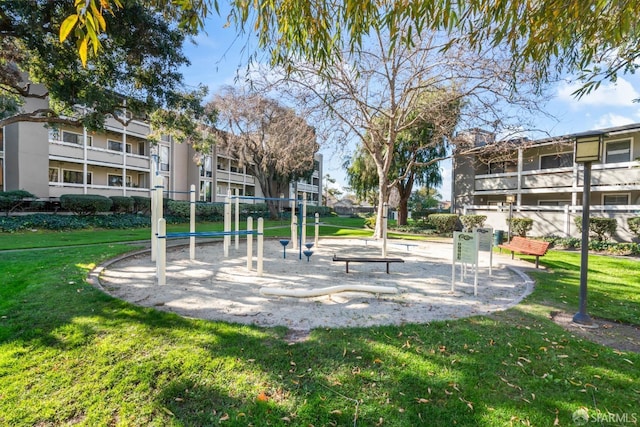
[598, 40]
[136, 75]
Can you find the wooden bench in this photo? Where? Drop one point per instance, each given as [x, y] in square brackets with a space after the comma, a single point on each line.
[526, 246]
[347, 260]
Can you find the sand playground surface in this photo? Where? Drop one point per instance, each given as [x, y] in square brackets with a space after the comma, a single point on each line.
[218, 288]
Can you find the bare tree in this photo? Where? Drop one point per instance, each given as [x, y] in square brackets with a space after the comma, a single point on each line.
[272, 141]
[374, 94]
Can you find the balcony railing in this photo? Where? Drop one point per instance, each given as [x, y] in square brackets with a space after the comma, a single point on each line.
[605, 177]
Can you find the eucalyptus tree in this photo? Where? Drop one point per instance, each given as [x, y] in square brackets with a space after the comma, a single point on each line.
[598, 40]
[276, 145]
[136, 75]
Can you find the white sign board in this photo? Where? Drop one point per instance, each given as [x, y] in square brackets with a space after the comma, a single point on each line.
[465, 251]
[485, 238]
[465, 247]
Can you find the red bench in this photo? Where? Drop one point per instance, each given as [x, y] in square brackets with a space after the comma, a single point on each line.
[526, 246]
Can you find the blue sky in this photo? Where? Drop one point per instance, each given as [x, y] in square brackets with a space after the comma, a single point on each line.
[220, 53]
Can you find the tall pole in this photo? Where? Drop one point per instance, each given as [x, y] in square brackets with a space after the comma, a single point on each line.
[581, 316]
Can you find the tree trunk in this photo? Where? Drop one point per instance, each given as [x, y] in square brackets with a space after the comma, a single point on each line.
[403, 212]
[382, 200]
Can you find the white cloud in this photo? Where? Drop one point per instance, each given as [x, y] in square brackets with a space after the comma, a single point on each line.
[620, 94]
[613, 120]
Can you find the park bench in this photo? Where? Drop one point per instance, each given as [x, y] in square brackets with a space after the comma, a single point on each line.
[347, 260]
[526, 246]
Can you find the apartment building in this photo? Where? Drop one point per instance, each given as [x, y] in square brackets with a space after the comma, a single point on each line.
[539, 179]
[49, 161]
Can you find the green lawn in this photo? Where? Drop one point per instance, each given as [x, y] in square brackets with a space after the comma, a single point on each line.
[71, 355]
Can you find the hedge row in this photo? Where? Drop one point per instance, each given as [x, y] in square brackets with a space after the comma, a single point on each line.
[72, 222]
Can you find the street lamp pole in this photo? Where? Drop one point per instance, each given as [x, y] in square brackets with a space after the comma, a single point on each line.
[588, 147]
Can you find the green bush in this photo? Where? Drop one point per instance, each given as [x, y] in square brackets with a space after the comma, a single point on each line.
[71, 222]
[520, 226]
[443, 223]
[85, 204]
[370, 222]
[141, 204]
[209, 211]
[178, 208]
[122, 204]
[320, 210]
[599, 227]
[634, 225]
[469, 222]
[10, 200]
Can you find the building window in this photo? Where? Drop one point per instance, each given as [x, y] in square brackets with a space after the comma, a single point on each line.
[316, 165]
[503, 166]
[142, 148]
[164, 158]
[205, 191]
[618, 151]
[54, 175]
[117, 145]
[615, 199]
[205, 167]
[116, 180]
[75, 138]
[74, 177]
[559, 160]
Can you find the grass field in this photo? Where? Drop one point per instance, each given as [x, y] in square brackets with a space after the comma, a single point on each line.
[71, 355]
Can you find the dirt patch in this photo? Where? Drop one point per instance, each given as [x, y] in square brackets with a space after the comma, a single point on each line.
[620, 336]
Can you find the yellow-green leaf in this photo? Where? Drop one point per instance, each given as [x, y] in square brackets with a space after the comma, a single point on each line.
[67, 26]
[83, 51]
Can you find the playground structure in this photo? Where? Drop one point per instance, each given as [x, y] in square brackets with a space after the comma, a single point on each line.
[159, 235]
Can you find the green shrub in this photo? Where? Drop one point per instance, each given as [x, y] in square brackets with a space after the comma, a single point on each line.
[443, 223]
[599, 227]
[370, 222]
[634, 225]
[122, 204]
[469, 222]
[178, 208]
[520, 226]
[85, 204]
[320, 210]
[10, 200]
[141, 204]
[209, 211]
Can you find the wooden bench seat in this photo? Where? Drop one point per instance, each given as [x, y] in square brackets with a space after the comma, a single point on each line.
[526, 246]
[347, 260]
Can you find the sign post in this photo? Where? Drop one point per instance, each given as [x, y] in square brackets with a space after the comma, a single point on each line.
[485, 243]
[465, 251]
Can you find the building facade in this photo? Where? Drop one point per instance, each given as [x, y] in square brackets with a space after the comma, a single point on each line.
[540, 180]
[50, 161]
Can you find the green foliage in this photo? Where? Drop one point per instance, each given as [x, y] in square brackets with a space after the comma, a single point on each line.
[10, 200]
[85, 204]
[322, 211]
[634, 225]
[469, 222]
[141, 204]
[599, 228]
[444, 223]
[122, 204]
[521, 226]
[71, 222]
[370, 222]
[141, 61]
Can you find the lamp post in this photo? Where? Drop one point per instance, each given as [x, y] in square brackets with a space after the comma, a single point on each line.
[510, 199]
[588, 147]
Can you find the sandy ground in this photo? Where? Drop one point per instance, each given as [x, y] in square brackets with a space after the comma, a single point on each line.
[219, 288]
